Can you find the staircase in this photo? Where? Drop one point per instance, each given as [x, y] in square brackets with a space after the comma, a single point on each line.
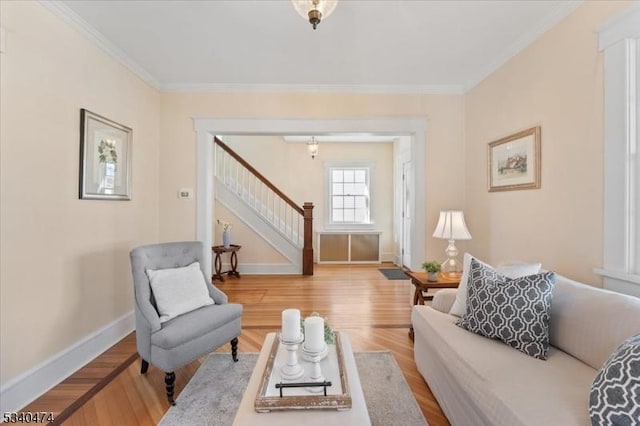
[264, 208]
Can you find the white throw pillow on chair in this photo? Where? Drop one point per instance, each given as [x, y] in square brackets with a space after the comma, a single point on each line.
[515, 270]
[178, 290]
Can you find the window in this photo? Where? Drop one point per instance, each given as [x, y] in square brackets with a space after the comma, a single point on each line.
[349, 194]
[619, 39]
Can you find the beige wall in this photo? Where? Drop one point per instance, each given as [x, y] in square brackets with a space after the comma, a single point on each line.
[302, 178]
[64, 269]
[556, 83]
[444, 139]
[255, 250]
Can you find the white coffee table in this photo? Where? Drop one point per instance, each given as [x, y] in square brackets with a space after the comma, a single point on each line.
[357, 415]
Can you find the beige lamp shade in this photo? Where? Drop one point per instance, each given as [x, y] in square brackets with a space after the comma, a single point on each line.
[451, 226]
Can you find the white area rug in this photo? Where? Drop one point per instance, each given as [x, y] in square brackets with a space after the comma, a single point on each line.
[213, 395]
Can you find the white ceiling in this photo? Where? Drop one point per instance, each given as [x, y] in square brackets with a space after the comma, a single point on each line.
[375, 46]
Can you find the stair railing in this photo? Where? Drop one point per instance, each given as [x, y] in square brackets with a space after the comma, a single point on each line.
[294, 222]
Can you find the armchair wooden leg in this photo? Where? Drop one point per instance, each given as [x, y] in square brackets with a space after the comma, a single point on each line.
[169, 379]
[234, 349]
[144, 367]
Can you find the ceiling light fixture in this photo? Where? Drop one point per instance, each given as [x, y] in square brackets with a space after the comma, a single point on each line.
[314, 10]
[312, 147]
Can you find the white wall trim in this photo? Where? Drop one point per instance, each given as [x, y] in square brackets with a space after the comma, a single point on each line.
[625, 24]
[207, 127]
[387, 256]
[561, 11]
[205, 195]
[265, 269]
[28, 386]
[631, 278]
[443, 89]
[74, 20]
[619, 39]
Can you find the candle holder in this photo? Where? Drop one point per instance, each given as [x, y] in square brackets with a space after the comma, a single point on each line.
[309, 355]
[291, 370]
[316, 373]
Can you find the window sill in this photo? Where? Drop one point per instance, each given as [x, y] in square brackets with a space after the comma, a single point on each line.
[618, 275]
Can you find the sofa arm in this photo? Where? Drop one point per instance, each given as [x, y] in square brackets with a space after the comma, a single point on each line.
[443, 299]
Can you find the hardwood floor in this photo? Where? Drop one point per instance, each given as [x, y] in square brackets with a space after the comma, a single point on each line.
[359, 300]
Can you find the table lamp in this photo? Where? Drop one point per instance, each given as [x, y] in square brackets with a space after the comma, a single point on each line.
[451, 226]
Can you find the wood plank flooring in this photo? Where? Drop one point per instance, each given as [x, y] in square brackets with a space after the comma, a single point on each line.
[359, 300]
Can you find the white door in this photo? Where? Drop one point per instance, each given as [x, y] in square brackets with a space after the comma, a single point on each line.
[406, 214]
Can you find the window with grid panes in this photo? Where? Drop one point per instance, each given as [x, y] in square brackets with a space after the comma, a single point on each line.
[350, 195]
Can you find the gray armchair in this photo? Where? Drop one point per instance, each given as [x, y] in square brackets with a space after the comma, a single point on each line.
[175, 343]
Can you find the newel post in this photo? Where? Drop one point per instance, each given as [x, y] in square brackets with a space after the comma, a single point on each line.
[307, 250]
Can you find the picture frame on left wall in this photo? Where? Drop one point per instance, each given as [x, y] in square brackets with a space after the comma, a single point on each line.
[105, 158]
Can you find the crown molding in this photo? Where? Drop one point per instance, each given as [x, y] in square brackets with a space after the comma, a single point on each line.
[626, 24]
[450, 89]
[62, 11]
[561, 11]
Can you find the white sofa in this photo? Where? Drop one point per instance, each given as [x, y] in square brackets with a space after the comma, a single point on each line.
[479, 381]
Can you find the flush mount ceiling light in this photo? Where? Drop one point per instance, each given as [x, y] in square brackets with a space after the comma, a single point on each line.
[314, 10]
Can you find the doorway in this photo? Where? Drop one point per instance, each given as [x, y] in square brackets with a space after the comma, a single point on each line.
[206, 128]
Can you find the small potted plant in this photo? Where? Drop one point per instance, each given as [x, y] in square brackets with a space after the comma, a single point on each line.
[432, 269]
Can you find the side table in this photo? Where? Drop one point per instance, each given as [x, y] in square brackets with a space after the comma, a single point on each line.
[422, 285]
[218, 250]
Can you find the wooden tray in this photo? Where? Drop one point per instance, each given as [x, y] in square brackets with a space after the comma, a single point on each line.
[338, 395]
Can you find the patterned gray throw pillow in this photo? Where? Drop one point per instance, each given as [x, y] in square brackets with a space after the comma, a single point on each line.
[615, 393]
[515, 311]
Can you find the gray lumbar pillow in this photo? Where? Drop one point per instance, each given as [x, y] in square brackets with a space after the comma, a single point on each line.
[515, 311]
[615, 393]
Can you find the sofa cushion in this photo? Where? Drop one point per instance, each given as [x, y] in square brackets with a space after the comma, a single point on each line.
[514, 270]
[513, 311]
[590, 323]
[615, 393]
[491, 383]
[178, 290]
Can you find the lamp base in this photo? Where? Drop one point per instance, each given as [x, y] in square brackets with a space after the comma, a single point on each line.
[451, 265]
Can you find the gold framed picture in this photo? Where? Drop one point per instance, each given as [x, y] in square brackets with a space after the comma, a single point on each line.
[514, 161]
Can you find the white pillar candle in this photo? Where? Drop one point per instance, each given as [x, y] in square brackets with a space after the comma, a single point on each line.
[291, 325]
[314, 334]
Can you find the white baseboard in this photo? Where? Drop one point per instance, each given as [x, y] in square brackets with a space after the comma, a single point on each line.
[20, 391]
[266, 269]
[387, 257]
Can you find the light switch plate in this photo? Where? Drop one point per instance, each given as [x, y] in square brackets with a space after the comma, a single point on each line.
[185, 193]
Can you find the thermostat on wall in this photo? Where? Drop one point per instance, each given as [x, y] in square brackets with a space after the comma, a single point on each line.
[185, 193]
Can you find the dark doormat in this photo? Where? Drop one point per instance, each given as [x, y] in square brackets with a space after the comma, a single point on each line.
[394, 273]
